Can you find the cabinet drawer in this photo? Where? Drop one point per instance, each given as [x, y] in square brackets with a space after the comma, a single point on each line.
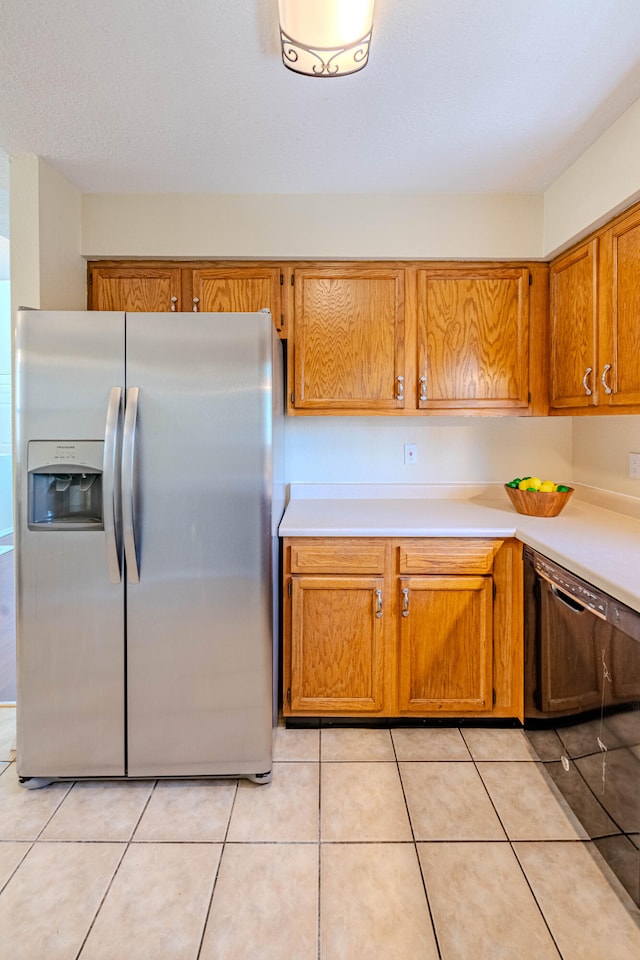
[447, 555]
[338, 556]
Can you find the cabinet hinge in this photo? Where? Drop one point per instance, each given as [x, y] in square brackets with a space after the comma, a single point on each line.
[90, 279]
[529, 397]
[293, 397]
[282, 320]
[289, 695]
[493, 586]
[289, 587]
[281, 279]
[494, 698]
[293, 280]
[530, 280]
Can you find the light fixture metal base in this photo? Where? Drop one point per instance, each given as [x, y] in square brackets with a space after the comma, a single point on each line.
[327, 61]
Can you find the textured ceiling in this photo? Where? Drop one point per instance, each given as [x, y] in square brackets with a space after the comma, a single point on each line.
[459, 95]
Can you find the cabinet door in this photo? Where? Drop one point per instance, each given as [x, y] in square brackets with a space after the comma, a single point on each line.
[473, 338]
[446, 644]
[619, 369]
[573, 326]
[237, 289]
[337, 644]
[135, 289]
[348, 339]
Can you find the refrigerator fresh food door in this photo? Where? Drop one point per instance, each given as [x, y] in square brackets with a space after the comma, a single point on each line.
[197, 531]
[70, 616]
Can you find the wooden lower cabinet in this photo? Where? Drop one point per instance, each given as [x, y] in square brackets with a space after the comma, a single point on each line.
[446, 644]
[411, 627]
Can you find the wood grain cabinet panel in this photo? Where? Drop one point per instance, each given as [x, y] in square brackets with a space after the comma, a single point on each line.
[449, 555]
[237, 290]
[620, 315]
[446, 644]
[595, 322]
[348, 340]
[573, 304]
[135, 289]
[422, 643]
[473, 338]
[336, 644]
[212, 287]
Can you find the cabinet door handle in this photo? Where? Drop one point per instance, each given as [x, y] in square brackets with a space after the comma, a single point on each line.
[585, 379]
[400, 393]
[423, 388]
[196, 301]
[378, 603]
[405, 607]
[603, 379]
[174, 300]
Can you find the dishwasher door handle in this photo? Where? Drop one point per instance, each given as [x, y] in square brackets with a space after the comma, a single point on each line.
[579, 607]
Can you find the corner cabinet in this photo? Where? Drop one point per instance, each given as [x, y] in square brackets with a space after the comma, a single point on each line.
[595, 333]
[381, 627]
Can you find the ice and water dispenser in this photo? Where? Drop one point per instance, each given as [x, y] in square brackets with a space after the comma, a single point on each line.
[65, 485]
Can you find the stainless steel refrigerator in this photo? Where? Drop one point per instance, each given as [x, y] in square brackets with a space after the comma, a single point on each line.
[148, 495]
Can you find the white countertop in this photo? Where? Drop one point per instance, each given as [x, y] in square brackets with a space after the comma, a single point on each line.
[599, 544]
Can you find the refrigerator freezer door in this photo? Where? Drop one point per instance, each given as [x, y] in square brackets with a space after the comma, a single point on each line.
[70, 620]
[199, 628]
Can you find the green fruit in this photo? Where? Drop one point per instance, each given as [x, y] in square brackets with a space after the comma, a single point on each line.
[532, 490]
[513, 484]
[562, 489]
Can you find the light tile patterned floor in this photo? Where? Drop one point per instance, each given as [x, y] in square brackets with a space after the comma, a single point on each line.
[415, 844]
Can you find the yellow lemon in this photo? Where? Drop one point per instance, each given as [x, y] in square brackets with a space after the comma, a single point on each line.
[530, 482]
[547, 486]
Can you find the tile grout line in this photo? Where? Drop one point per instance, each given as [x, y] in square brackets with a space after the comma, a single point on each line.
[415, 849]
[512, 848]
[127, 844]
[217, 873]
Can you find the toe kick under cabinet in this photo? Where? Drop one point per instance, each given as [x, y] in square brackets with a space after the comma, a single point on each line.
[407, 627]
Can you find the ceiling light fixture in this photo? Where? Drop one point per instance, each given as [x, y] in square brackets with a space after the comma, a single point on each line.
[325, 38]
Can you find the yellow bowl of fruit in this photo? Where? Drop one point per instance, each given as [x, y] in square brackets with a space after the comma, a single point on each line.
[538, 498]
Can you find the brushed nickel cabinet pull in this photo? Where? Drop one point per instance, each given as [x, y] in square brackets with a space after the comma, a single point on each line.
[174, 300]
[378, 603]
[405, 608]
[400, 393]
[423, 388]
[585, 384]
[603, 379]
[196, 301]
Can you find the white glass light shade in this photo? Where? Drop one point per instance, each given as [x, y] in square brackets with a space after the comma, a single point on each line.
[325, 38]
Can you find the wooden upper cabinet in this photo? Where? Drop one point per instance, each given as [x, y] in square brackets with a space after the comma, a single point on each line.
[238, 290]
[619, 350]
[473, 338]
[349, 339]
[573, 307]
[135, 289]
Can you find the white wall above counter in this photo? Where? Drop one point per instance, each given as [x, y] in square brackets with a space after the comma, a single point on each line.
[596, 542]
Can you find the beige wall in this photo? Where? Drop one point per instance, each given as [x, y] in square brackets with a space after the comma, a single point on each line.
[602, 182]
[47, 270]
[601, 448]
[312, 226]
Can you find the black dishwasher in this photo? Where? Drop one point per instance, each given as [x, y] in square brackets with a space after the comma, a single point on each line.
[582, 705]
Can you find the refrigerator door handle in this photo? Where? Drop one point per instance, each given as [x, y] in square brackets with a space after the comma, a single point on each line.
[128, 485]
[109, 481]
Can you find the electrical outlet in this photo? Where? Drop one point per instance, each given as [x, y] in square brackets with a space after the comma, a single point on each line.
[634, 465]
[410, 453]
